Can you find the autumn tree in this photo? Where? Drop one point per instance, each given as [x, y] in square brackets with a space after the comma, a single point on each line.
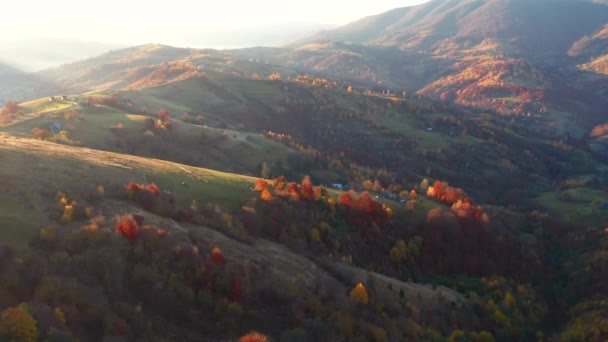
[217, 258]
[265, 195]
[366, 203]
[307, 189]
[275, 76]
[128, 227]
[294, 191]
[368, 185]
[254, 336]
[38, 133]
[17, 324]
[11, 107]
[359, 294]
[347, 199]
[260, 185]
[163, 114]
[377, 187]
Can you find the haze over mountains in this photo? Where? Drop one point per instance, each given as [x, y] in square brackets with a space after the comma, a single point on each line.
[36, 53]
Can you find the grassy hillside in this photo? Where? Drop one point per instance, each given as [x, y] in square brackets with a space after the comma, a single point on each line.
[52, 167]
[189, 140]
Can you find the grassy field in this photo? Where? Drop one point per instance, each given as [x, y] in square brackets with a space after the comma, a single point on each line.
[34, 171]
[18, 221]
[581, 205]
[45, 105]
[99, 126]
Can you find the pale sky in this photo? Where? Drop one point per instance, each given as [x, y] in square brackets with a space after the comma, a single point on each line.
[153, 21]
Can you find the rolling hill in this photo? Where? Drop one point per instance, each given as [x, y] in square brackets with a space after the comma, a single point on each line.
[29, 204]
[515, 58]
[497, 98]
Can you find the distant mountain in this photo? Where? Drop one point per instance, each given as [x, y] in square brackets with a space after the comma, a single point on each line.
[539, 25]
[36, 53]
[541, 58]
[545, 61]
[18, 85]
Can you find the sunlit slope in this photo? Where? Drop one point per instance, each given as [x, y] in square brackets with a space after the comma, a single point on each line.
[189, 140]
[33, 171]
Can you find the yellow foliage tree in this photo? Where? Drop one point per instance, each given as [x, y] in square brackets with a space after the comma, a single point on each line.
[359, 294]
[68, 213]
[275, 77]
[17, 324]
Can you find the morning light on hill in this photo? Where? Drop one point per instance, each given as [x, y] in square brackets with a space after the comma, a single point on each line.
[320, 171]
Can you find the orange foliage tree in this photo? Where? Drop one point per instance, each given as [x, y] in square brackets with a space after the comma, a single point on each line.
[462, 206]
[254, 336]
[266, 195]
[128, 227]
[260, 185]
[599, 130]
[359, 294]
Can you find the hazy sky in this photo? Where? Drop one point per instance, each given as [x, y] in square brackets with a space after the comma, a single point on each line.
[150, 21]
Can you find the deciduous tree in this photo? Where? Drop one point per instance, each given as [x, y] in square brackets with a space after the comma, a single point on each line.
[359, 294]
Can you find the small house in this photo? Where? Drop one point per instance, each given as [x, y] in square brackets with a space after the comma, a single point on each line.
[56, 127]
[337, 186]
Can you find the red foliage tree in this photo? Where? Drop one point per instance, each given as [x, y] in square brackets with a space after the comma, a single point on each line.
[163, 114]
[217, 258]
[366, 203]
[153, 189]
[292, 187]
[347, 199]
[133, 186]
[254, 336]
[128, 227]
[294, 191]
[442, 192]
[306, 189]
